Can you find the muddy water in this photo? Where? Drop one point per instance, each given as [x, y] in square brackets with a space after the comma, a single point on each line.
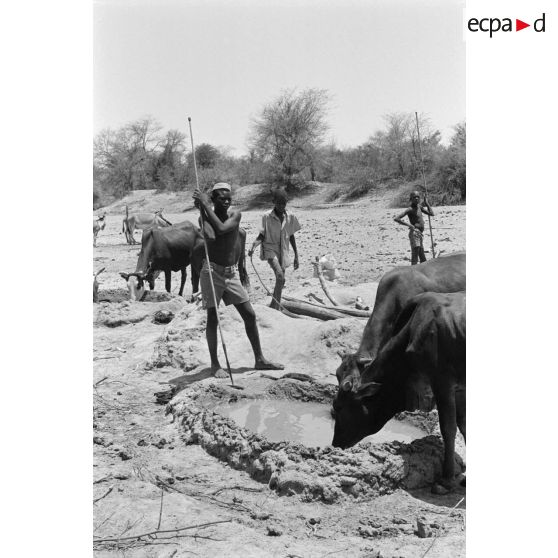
[307, 423]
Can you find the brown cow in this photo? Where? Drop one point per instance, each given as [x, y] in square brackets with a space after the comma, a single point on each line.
[441, 275]
[429, 343]
[173, 249]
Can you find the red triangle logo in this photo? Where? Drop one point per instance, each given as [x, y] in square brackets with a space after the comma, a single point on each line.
[519, 25]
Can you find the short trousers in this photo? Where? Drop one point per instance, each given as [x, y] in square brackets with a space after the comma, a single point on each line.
[228, 287]
[415, 236]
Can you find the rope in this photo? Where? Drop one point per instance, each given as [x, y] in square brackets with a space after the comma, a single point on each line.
[283, 309]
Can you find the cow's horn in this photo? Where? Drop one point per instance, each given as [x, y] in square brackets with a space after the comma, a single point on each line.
[125, 276]
[364, 360]
[347, 385]
[341, 354]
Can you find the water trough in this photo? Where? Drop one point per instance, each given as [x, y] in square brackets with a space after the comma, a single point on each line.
[279, 432]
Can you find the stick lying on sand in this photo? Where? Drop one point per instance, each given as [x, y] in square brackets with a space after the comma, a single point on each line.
[290, 375]
[325, 288]
[309, 309]
[337, 309]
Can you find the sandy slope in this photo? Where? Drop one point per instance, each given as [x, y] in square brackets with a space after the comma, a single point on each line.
[138, 450]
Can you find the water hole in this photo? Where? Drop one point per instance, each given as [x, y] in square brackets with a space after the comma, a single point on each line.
[310, 424]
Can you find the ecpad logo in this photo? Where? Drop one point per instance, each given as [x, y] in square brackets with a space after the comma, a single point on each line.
[494, 24]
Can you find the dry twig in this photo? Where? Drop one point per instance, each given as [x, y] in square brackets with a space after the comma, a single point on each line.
[100, 381]
[161, 509]
[104, 521]
[102, 479]
[437, 537]
[131, 525]
[105, 494]
[336, 551]
[153, 534]
[236, 487]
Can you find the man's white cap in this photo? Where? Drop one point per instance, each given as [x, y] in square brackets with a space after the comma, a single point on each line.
[221, 186]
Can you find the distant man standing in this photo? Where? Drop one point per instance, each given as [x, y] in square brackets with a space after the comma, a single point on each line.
[276, 233]
[416, 225]
[222, 229]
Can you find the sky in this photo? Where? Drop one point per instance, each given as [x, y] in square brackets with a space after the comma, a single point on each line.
[220, 62]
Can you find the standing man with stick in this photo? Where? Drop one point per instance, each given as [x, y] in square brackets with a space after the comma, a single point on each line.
[425, 188]
[276, 233]
[221, 232]
[416, 225]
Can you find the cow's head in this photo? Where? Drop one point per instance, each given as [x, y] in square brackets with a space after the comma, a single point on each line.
[350, 370]
[135, 283]
[357, 414]
[101, 221]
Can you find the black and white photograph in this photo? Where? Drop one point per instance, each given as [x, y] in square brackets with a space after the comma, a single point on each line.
[274, 361]
[279, 217]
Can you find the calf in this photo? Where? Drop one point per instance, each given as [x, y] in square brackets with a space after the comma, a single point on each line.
[98, 225]
[428, 343]
[441, 275]
[142, 221]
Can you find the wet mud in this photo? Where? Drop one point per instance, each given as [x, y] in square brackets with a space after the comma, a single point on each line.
[327, 474]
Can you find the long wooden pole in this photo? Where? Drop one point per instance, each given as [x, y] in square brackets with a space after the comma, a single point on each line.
[424, 183]
[207, 259]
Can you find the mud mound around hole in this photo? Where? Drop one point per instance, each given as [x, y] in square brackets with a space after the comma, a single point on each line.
[327, 474]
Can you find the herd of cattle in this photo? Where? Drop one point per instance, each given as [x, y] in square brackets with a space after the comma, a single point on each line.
[413, 343]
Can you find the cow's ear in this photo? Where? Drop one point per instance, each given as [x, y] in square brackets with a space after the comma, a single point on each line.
[368, 390]
[124, 276]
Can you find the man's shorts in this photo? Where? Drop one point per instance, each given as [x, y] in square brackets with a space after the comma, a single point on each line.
[415, 237]
[228, 287]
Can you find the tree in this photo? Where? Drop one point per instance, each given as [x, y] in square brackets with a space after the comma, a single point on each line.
[206, 156]
[452, 173]
[169, 169]
[289, 130]
[398, 153]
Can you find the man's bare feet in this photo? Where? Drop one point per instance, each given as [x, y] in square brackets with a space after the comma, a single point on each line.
[218, 372]
[264, 364]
